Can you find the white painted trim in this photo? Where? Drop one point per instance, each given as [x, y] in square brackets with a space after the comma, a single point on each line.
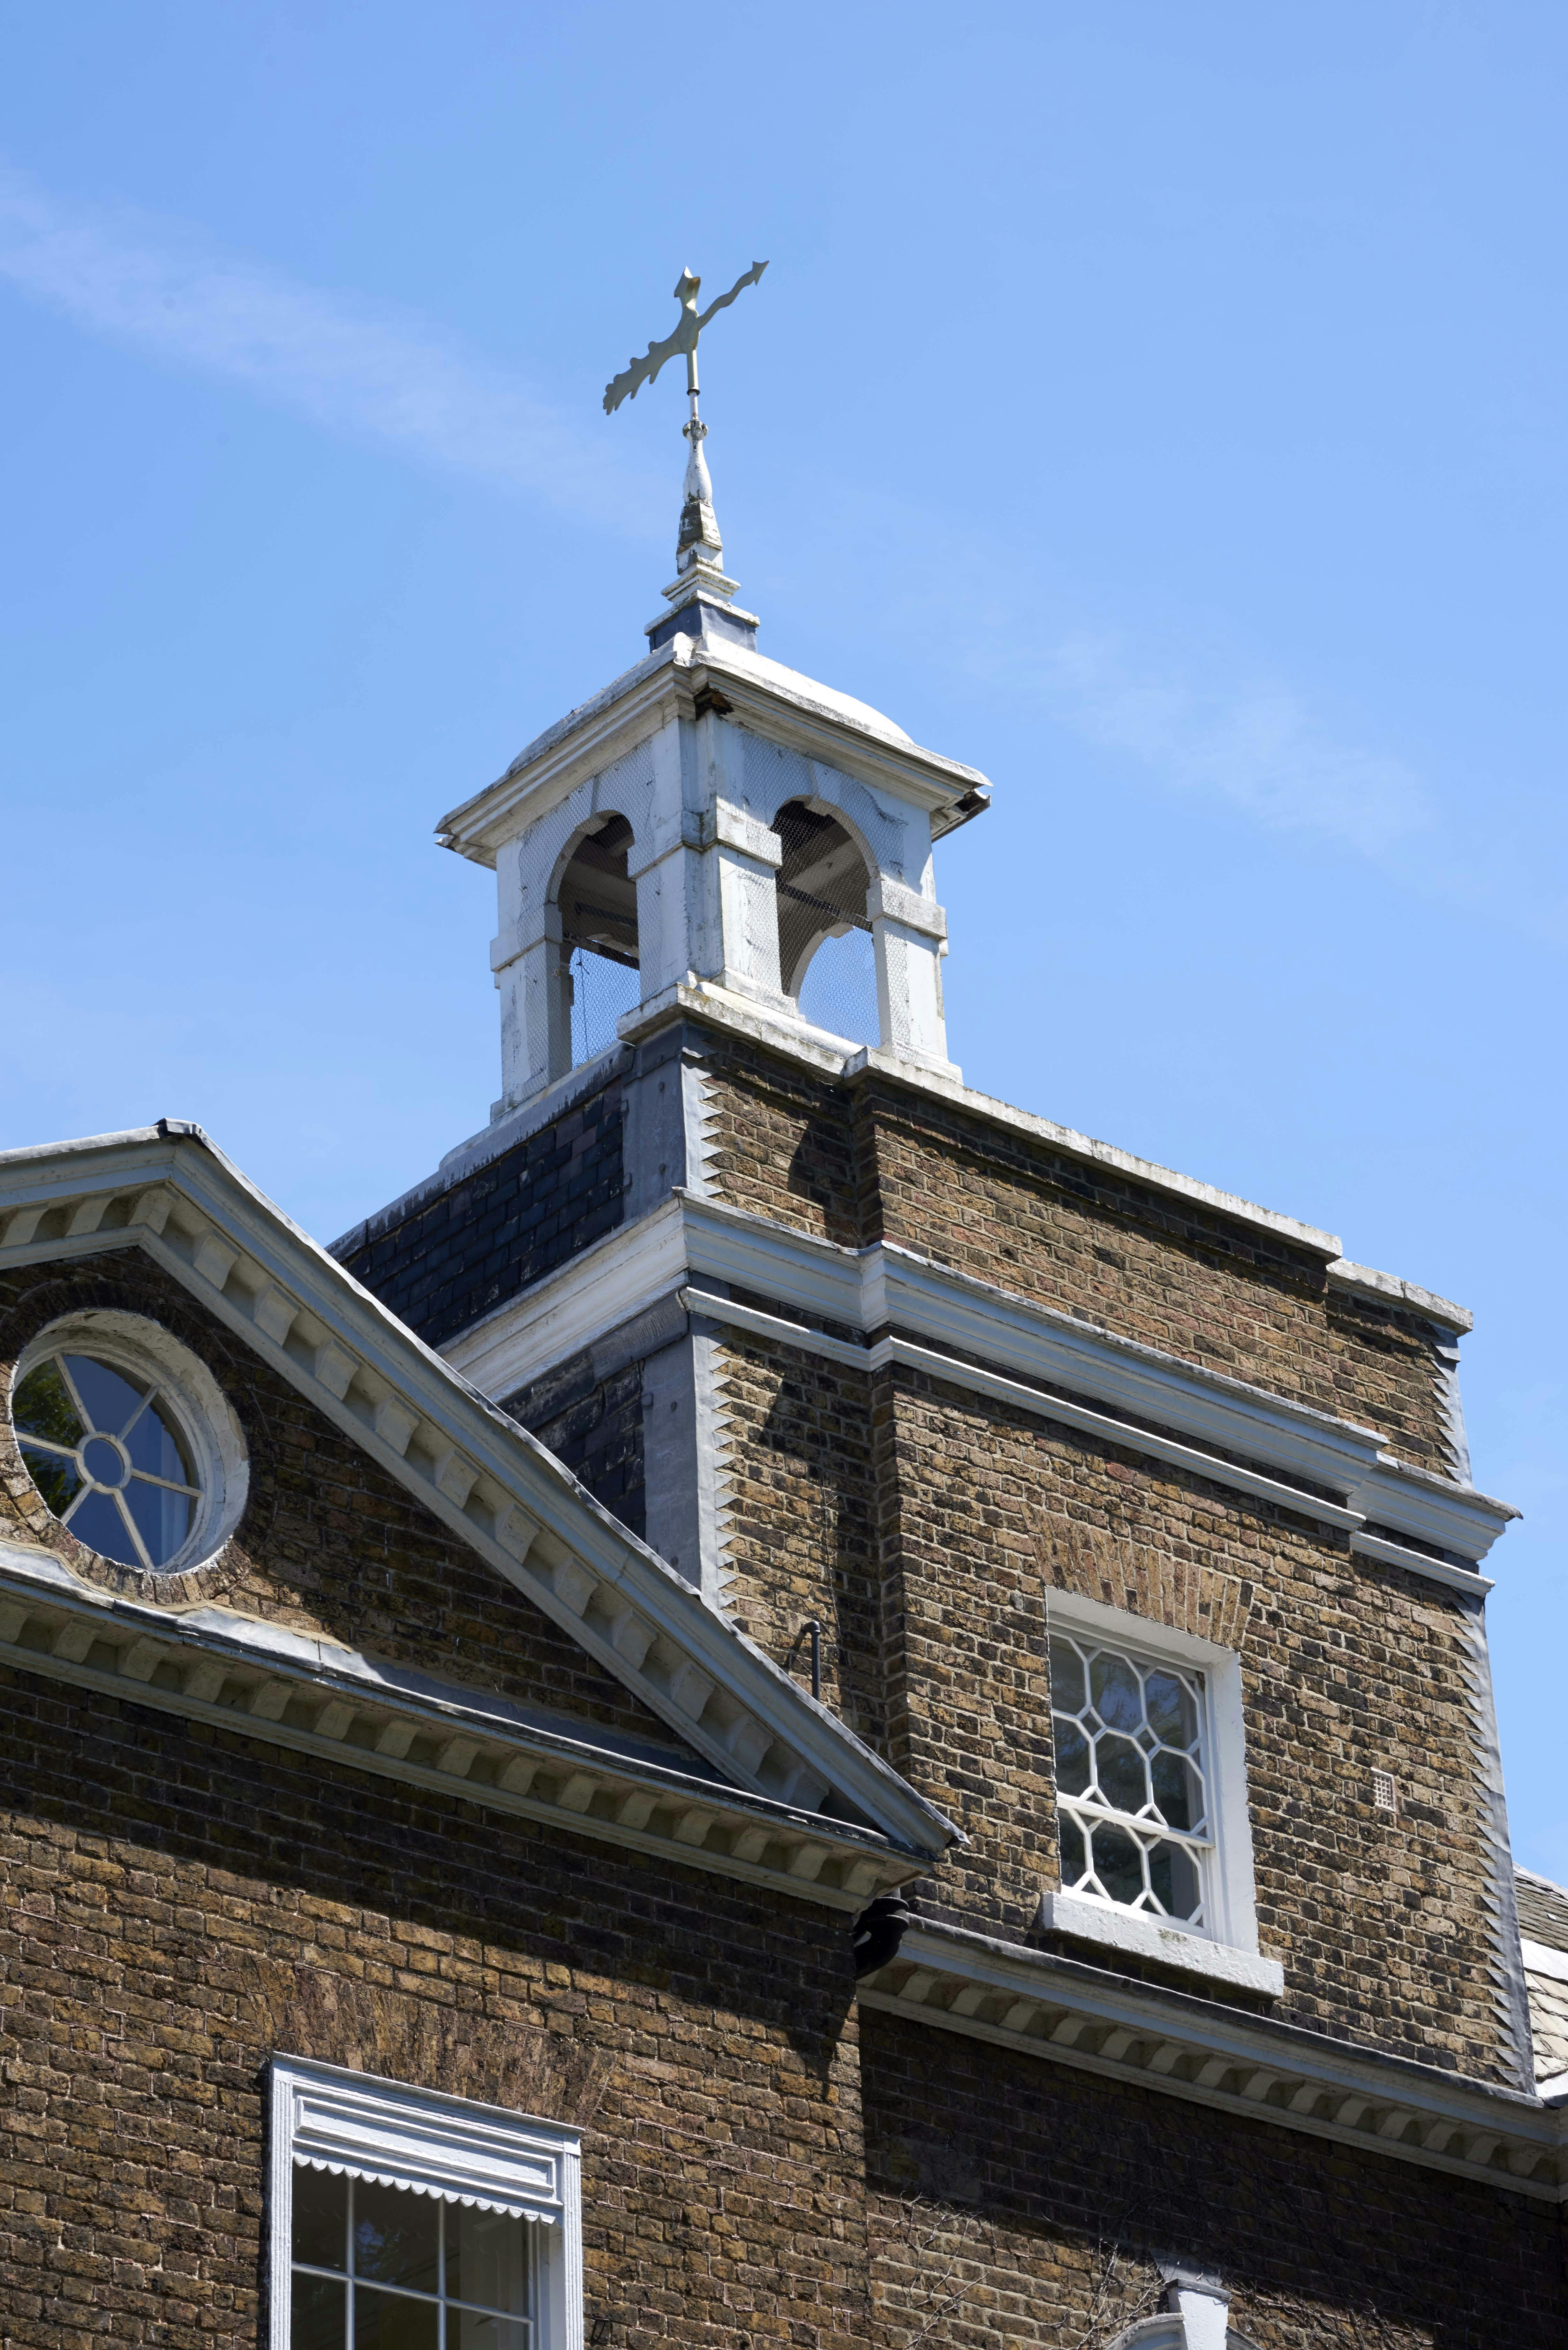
[1230, 1894]
[1113, 1431]
[1205, 2052]
[1415, 1562]
[1153, 1938]
[870, 1288]
[313, 1697]
[771, 1325]
[1541, 1959]
[326, 2118]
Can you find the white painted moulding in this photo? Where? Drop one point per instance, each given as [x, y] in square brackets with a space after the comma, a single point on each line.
[315, 1697]
[168, 1190]
[1197, 2050]
[1142, 1937]
[687, 1236]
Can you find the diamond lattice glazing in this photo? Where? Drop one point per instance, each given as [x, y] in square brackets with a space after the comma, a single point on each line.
[1132, 1805]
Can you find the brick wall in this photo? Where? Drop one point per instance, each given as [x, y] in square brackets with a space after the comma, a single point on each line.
[180, 1903]
[1024, 2202]
[466, 1249]
[879, 1162]
[958, 1517]
[330, 1542]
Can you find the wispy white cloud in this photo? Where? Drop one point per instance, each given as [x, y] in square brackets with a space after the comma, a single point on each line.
[357, 367]
[1254, 745]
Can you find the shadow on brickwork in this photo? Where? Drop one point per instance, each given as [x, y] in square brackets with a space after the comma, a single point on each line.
[1324, 2248]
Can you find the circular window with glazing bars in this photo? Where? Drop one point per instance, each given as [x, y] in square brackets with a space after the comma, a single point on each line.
[129, 1440]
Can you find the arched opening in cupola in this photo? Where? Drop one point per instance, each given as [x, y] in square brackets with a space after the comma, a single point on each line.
[826, 957]
[597, 904]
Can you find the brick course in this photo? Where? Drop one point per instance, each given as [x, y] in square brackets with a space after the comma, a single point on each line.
[881, 1162]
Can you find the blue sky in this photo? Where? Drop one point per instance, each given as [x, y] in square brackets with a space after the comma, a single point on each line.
[1161, 410]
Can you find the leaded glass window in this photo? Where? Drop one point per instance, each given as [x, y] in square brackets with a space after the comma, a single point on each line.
[106, 1452]
[375, 2267]
[1132, 1793]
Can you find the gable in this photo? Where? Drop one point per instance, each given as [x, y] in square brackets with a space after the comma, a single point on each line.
[167, 1193]
[329, 1546]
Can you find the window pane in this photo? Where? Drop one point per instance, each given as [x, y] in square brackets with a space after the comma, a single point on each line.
[389, 2321]
[318, 2314]
[1171, 1712]
[42, 1406]
[1114, 1686]
[107, 1397]
[1176, 1791]
[1074, 1859]
[1174, 1879]
[1119, 1863]
[396, 2234]
[55, 1476]
[1066, 1677]
[154, 1448]
[1072, 1758]
[320, 2219]
[163, 1518]
[468, 2329]
[487, 2258]
[99, 1523]
[1120, 1767]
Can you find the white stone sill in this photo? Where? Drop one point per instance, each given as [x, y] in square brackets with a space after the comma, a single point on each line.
[1150, 1937]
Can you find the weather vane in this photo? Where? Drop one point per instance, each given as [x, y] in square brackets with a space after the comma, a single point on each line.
[700, 552]
[627, 385]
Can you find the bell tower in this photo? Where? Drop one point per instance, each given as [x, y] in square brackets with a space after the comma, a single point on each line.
[709, 821]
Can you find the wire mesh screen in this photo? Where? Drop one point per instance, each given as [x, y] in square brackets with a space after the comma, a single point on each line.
[602, 992]
[825, 955]
[839, 990]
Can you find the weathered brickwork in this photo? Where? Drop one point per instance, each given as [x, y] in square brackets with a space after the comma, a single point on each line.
[1022, 2203]
[469, 1247]
[180, 1904]
[883, 1163]
[329, 1542]
[1385, 1927]
[595, 1427]
[802, 1516]
[782, 1143]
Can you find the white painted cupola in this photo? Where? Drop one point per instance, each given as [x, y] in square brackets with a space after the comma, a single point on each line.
[712, 822]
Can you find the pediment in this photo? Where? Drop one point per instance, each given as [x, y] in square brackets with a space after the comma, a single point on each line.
[168, 1191]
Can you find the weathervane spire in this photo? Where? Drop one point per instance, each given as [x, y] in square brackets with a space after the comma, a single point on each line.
[699, 577]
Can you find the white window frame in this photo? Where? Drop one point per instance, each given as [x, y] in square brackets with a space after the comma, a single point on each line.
[434, 2145]
[1227, 1948]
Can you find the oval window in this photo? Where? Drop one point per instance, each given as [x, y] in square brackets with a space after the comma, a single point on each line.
[129, 1439]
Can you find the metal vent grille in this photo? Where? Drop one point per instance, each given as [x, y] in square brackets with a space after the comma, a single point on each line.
[1384, 1792]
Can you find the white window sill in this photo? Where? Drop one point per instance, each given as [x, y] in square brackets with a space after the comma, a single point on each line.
[1144, 1937]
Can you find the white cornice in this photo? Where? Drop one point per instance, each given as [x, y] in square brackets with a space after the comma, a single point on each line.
[763, 697]
[1064, 2012]
[317, 1697]
[168, 1191]
[703, 1241]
